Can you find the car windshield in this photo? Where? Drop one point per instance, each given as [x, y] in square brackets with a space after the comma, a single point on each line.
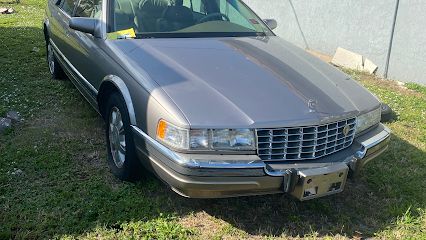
[186, 18]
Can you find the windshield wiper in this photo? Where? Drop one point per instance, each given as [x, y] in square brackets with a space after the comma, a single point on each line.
[261, 34]
[199, 34]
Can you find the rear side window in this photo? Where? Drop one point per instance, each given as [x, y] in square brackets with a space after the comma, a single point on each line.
[68, 6]
[89, 8]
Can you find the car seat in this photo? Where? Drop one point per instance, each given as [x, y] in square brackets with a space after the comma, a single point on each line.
[124, 15]
[149, 12]
[176, 17]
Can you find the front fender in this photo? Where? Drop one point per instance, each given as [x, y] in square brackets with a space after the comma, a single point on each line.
[124, 91]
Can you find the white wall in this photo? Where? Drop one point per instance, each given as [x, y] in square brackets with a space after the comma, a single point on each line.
[408, 59]
[362, 26]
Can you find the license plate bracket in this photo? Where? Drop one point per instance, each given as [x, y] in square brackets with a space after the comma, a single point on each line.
[319, 182]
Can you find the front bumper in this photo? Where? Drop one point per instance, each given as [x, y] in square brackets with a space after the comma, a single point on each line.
[206, 176]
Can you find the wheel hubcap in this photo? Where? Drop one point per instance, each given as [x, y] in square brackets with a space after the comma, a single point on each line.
[117, 137]
[50, 58]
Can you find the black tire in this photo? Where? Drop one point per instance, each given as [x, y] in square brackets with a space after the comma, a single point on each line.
[131, 169]
[53, 65]
[388, 114]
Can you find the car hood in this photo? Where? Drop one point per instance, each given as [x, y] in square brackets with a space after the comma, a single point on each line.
[245, 82]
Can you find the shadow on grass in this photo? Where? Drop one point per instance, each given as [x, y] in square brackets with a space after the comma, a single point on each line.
[67, 189]
[54, 178]
[388, 186]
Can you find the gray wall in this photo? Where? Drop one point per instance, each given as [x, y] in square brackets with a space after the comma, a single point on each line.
[362, 26]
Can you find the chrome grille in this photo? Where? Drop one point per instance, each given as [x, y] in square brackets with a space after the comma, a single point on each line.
[302, 143]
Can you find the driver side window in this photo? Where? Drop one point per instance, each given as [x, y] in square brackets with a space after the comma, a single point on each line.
[68, 6]
[89, 8]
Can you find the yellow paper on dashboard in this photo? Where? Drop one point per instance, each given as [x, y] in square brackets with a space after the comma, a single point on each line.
[122, 34]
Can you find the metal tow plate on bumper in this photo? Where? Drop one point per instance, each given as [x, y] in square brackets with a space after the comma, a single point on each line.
[319, 182]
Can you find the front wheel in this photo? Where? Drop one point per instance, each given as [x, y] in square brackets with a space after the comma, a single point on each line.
[122, 158]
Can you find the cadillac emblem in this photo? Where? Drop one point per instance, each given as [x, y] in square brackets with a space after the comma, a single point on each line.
[312, 104]
[346, 130]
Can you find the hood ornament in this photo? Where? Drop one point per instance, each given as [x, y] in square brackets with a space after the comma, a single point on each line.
[312, 104]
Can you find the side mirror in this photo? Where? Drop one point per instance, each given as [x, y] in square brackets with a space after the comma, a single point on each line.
[272, 23]
[86, 25]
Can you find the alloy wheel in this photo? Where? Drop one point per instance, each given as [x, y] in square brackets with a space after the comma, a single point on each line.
[117, 137]
[50, 59]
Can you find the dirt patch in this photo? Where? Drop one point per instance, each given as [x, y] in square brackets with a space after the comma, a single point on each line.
[389, 84]
[322, 56]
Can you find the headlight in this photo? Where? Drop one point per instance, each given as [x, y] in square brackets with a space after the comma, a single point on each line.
[206, 139]
[368, 120]
[173, 136]
[233, 139]
[199, 139]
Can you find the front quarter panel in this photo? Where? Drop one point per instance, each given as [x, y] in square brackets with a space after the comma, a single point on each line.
[148, 100]
[144, 110]
[122, 87]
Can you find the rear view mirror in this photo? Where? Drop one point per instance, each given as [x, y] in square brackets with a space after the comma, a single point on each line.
[272, 23]
[86, 25]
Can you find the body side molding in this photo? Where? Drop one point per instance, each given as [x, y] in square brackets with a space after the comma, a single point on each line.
[84, 81]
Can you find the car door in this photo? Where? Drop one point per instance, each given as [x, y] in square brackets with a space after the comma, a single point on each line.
[87, 56]
[59, 30]
[67, 46]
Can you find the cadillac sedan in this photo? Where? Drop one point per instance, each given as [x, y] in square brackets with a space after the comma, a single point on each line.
[204, 94]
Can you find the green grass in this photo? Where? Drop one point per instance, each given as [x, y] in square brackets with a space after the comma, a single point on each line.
[416, 87]
[67, 192]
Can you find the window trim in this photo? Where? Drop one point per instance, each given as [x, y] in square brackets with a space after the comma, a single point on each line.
[60, 6]
[78, 3]
[109, 20]
[254, 13]
[75, 8]
[109, 15]
[102, 24]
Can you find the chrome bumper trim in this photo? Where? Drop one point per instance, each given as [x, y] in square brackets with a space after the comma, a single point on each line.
[372, 142]
[371, 148]
[192, 163]
[158, 146]
[198, 163]
[192, 179]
